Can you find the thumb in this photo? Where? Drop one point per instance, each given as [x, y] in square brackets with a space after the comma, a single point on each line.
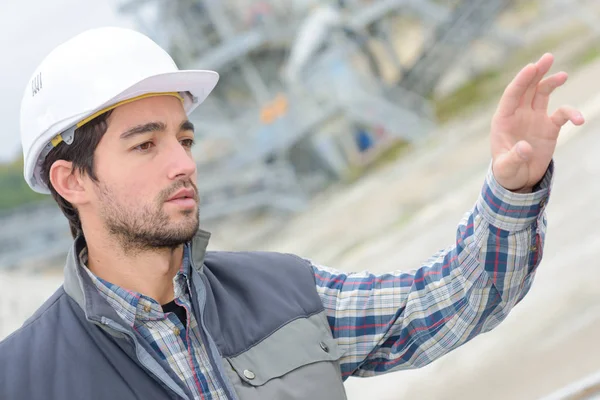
[507, 165]
[521, 152]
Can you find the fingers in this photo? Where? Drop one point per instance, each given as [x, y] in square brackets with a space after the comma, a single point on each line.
[565, 114]
[542, 67]
[522, 90]
[545, 89]
[511, 98]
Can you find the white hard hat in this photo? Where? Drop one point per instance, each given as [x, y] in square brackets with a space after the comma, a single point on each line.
[89, 74]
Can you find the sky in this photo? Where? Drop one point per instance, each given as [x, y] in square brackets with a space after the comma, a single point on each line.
[29, 30]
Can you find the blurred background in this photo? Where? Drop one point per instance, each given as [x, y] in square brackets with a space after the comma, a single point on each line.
[354, 133]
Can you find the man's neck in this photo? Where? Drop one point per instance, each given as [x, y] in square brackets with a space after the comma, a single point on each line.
[147, 272]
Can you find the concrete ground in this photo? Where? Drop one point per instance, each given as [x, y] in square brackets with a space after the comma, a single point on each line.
[398, 216]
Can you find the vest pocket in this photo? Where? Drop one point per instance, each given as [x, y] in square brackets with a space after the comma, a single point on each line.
[298, 361]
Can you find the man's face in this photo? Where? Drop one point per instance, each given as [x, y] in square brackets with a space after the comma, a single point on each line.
[143, 161]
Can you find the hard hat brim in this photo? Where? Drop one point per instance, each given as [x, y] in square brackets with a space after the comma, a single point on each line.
[199, 83]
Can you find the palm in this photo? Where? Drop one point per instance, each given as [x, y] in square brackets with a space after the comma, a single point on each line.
[535, 128]
[523, 135]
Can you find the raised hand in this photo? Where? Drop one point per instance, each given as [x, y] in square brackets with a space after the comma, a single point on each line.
[523, 135]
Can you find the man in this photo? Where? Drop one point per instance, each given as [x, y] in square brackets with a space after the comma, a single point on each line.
[146, 312]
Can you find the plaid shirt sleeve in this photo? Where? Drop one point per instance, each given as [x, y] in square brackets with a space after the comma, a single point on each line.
[407, 319]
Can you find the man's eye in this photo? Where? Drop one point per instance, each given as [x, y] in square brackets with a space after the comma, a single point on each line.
[144, 146]
[188, 143]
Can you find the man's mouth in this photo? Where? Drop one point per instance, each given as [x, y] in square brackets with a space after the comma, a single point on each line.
[184, 193]
[184, 197]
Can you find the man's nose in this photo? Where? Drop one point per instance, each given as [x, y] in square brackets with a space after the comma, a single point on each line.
[181, 162]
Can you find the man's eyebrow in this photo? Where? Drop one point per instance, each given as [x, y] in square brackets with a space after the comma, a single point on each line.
[186, 126]
[144, 128]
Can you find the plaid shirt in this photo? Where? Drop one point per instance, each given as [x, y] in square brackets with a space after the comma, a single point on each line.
[390, 321]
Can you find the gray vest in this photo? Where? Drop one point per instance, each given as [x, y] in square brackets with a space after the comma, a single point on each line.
[260, 316]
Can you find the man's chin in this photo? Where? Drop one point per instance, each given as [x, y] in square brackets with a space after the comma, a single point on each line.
[188, 229]
[166, 239]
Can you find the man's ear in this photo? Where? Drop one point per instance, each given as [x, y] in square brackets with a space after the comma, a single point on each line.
[68, 182]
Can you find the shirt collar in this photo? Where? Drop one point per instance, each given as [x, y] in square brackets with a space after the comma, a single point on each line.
[181, 279]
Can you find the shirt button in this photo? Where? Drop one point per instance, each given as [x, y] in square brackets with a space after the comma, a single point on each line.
[534, 248]
[147, 308]
[249, 374]
[176, 331]
[542, 203]
[324, 347]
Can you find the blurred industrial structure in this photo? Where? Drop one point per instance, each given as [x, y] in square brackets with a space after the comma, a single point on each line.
[309, 91]
[302, 97]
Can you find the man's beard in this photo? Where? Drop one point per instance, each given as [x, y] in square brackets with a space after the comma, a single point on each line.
[148, 227]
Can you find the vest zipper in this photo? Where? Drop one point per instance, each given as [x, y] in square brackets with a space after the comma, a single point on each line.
[156, 369]
[212, 347]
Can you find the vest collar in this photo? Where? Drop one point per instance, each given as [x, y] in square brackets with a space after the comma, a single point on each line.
[198, 249]
[80, 288]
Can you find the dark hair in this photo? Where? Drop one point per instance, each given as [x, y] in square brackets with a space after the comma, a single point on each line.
[81, 154]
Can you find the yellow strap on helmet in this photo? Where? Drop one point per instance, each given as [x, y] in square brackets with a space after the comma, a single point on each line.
[58, 138]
